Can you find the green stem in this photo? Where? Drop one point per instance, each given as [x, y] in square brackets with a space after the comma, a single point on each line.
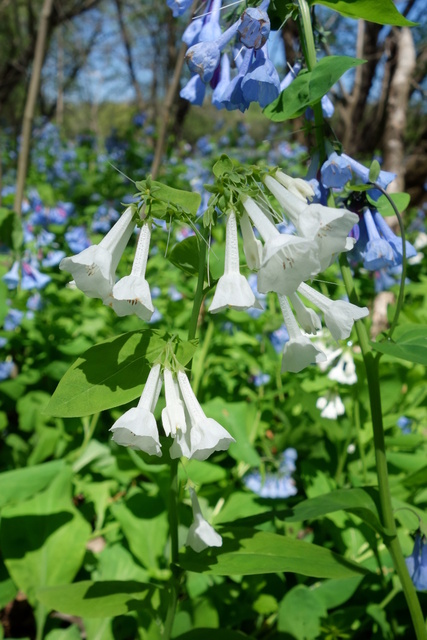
[175, 581]
[203, 353]
[309, 48]
[371, 365]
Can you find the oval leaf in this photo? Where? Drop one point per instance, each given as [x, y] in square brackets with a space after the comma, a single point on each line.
[380, 11]
[410, 343]
[250, 552]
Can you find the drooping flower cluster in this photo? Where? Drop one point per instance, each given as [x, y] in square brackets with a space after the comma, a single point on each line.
[278, 484]
[377, 246]
[194, 435]
[94, 269]
[284, 261]
[255, 78]
[201, 534]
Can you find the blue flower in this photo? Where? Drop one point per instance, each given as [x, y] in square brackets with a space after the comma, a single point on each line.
[11, 278]
[45, 238]
[32, 278]
[13, 319]
[261, 82]
[404, 424]
[178, 6]
[417, 564]
[204, 57]
[279, 338]
[7, 368]
[53, 258]
[194, 91]
[223, 82]
[77, 239]
[335, 172]
[275, 485]
[232, 97]
[254, 27]
[362, 172]
[35, 302]
[261, 379]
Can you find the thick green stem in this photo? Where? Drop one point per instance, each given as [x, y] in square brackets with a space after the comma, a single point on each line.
[175, 581]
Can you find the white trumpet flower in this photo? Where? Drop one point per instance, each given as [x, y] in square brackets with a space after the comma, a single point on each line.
[201, 534]
[173, 416]
[137, 428]
[330, 406]
[287, 260]
[131, 294]
[252, 247]
[204, 435]
[308, 318]
[327, 226]
[339, 315]
[299, 351]
[94, 268]
[232, 290]
[297, 186]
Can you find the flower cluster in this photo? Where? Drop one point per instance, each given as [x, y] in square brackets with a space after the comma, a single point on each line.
[255, 78]
[94, 269]
[194, 435]
[278, 484]
[377, 246]
[284, 261]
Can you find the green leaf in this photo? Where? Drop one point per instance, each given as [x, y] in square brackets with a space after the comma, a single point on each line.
[11, 232]
[401, 200]
[300, 612]
[43, 540]
[164, 195]
[251, 552]
[359, 501]
[97, 599]
[380, 11]
[309, 87]
[70, 633]
[335, 592]
[374, 171]
[185, 255]
[409, 343]
[107, 375]
[20, 484]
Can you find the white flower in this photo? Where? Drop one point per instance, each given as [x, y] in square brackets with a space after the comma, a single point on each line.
[345, 370]
[331, 406]
[297, 186]
[339, 315]
[308, 318]
[201, 534]
[287, 260]
[203, 435]
[327, 226]
[94, 268]
[299, 351]
[252, 247]
[137, 428]
[173, 416]
[232, 289]
[131, 294]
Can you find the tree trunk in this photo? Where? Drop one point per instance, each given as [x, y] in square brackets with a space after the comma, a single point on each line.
[396, 114]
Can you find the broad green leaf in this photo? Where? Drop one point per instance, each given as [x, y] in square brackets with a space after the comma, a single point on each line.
[144, 522]
[235, 417]
[201, 472]
[361, 502]
[185, 255]
[43, 540]
[97, 599]
[409, 343]
[250, 552]
[401, 200]
[70, 633]
[20, 484]
[300, 612]
[309, 87]
[335, 592]
[380, 11]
